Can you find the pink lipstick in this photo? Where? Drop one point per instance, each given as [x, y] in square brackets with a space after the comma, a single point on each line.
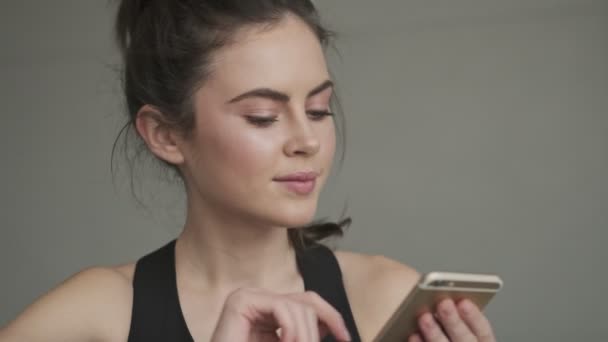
[301, 183]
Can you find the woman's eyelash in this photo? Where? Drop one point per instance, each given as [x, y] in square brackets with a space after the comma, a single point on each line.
[319, 114]
[261, 121]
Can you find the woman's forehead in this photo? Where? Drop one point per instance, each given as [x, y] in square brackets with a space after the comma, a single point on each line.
[285, 55]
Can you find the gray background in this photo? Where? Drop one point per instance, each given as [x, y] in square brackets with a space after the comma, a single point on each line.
[478, 141]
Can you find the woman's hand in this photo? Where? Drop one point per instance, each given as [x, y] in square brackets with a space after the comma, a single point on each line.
[457, 323]
[256, 315]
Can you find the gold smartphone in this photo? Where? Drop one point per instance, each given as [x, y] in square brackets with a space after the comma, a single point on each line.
[432, 288]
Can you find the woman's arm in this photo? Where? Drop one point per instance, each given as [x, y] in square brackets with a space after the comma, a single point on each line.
[93, 305]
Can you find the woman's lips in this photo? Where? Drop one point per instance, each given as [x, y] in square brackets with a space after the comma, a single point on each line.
[301, 183]
[300, 187]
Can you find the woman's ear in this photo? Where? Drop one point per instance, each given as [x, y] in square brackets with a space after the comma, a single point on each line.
[160, 137]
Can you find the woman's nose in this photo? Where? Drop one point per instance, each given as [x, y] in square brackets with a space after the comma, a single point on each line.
[302, 142]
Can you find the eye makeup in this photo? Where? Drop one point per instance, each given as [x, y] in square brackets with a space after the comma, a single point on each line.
[261, 121]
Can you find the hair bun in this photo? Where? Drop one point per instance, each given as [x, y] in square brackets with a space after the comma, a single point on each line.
[129, 12]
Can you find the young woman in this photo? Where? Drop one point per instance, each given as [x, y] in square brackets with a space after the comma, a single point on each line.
[235, 97]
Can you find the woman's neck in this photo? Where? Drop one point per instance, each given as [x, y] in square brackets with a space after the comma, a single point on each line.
[221, 255]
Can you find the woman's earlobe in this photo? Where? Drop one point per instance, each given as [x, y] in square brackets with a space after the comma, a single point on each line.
[158, 135]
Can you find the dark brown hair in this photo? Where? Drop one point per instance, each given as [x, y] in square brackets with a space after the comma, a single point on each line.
[167, 46]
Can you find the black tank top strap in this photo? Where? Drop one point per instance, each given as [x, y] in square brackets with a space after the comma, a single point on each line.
[322, 274]
[156, 313]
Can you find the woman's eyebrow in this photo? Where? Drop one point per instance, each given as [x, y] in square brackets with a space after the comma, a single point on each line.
[278, 96]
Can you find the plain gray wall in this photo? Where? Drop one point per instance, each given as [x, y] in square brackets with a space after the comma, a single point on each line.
[478, 141]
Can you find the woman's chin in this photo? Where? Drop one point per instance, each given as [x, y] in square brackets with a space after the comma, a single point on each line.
[295, 218]
[296, 222]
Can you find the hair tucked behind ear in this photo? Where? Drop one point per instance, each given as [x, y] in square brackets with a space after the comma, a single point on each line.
[166, 46]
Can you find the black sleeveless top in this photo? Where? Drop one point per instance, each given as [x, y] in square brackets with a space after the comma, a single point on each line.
[157, 315]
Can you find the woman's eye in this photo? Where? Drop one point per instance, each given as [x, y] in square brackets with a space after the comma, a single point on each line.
[319, 114]
[261, 121]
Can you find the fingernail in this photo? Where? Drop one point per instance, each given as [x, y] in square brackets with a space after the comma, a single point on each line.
[446, 308]
[466, 307]
[428, 321]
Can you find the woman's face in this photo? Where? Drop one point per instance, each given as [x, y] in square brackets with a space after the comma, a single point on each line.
[260, 118]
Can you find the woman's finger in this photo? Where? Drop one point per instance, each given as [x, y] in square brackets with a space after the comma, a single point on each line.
[312, 324]
[326, 313]
[476, 321]
[323, 329]
[453, 325]
[299, 316]
[254, 306]
[431, 331]
[415, 338]
[285, 319]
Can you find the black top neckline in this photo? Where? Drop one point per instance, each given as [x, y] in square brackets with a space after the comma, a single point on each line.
[301, 260]
[157, 313]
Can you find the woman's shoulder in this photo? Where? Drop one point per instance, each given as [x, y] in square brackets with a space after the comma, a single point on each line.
[93, 304]
[378, 272]
[375, 286]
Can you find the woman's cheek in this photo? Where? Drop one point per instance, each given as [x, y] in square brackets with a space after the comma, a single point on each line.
[249, 152]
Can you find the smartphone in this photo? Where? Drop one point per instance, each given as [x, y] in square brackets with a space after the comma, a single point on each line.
[431, 289]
